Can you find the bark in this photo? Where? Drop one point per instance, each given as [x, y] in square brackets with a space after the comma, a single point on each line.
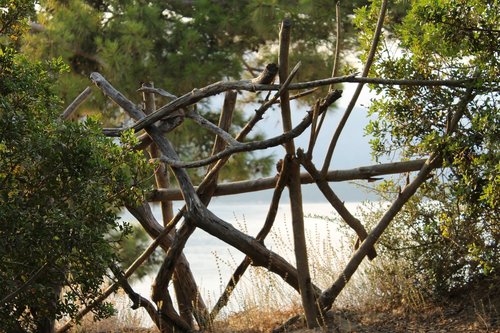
[369, 173]
[294, 187]
[76, 103]
[216, 88]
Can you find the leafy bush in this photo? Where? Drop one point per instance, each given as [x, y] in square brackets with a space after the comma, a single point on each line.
[61, 184]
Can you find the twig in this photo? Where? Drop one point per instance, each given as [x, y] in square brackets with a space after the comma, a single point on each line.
[137, 300]
[352, 103]
[158, 91]
[315, 129]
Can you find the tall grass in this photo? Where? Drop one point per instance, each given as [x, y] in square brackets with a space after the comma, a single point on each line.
[262, 300]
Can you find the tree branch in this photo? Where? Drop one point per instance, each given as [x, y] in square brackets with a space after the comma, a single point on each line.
[352, 103]
[76, 103]
[264, 231]
[219, 87]
[212, 128]
[364, 172]
[329, 295]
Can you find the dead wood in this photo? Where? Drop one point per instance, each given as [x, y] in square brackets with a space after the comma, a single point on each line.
[76, 103]
[369, 173]
[294, 187]
[195, 213]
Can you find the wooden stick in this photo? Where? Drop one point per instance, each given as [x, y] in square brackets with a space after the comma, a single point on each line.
[369, 173]
[334, 200]
[76, 103]
[300, 248]
[354, 99]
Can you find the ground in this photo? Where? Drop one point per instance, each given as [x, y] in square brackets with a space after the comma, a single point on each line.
[469, 311]
[472, 311]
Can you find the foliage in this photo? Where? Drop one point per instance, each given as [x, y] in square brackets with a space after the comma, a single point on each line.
[13, 20]
[61, 184]
[180, 46]
[455, 221]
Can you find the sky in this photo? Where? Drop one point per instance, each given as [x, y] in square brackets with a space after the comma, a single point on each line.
[353, 149]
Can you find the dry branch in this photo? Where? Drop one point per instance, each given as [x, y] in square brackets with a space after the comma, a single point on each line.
[212, 128]
[360, 173]
[266, 228]
[357, 92]
[76, 103]
[216, 88]
[267, 75]
[300, 248]
[244, 147]
[329, 295]
[334, 200]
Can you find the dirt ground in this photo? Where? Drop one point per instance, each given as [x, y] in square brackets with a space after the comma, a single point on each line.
[478, 311]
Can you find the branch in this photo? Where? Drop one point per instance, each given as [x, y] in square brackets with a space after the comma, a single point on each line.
[258, 145]
[242, 147]
[294, 187]
[213, 128]
[137, 300]
[219, 87]
[335, 201]
[335, 68]
[76, 103]
[364, 172]
[267, 76]
[266, 228]
[264, 107]
[26, 284]
[352, 103]
[111, 289]
[330, 294]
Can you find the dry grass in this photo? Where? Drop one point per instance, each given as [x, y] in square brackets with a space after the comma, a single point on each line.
[255, 320]
[125, 320]
[379, 298]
